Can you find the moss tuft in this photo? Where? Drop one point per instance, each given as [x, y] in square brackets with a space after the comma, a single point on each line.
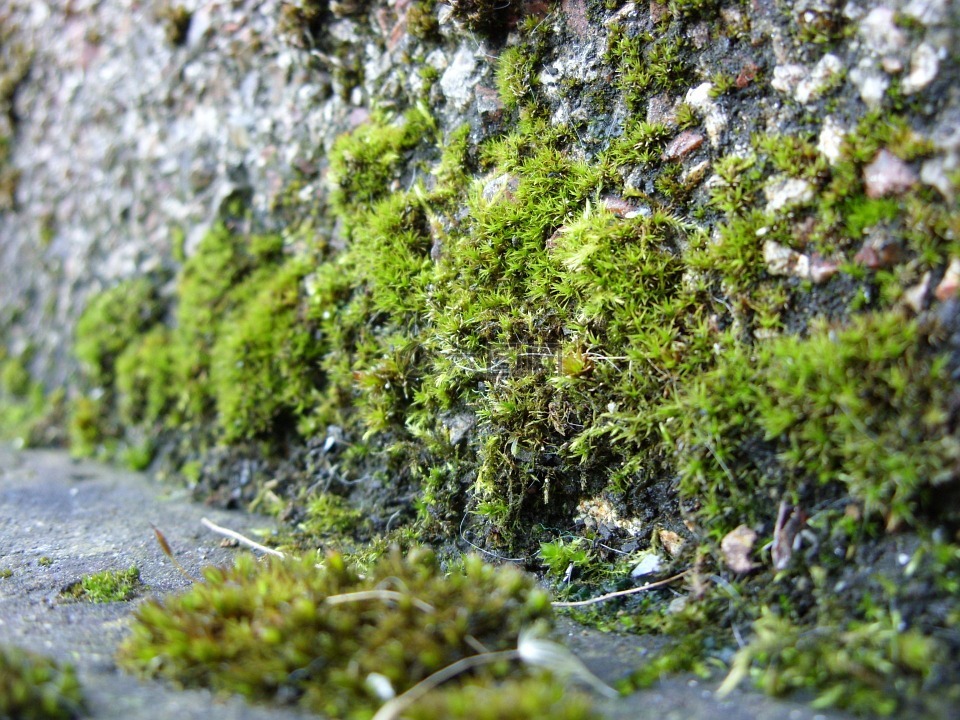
[33, 687]
[288, 630]
[107, 586]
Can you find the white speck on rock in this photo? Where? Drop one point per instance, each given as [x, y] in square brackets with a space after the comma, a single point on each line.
[714, 118]
[459, 78]
[871, 83]
[787, 77]
[649, 564]
[784, 192]
[781, 260]
[830, 143]
[924, 65]
[915, 297]
[934, 172]
[819, 80]
[880, 32]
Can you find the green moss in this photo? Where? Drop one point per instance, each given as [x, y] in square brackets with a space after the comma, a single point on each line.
[110, 322]
[848, 666]
[107, 586]
[515, 77]
[364, 163]
[868, 405]
[264, 362]
[88, 427]
[288, 629]
[146, 377]
[24, 406]
[328, 514]
[33, 687]
[646, 64]
[508, 700]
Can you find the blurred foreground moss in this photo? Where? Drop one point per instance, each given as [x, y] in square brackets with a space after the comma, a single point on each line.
[339, 643]
[33, 687]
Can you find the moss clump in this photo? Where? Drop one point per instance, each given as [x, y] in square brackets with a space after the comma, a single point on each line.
[288, 630]
[330, 514]
[507, 700]
[110, 322]
[107, 586]
[264, 365]
[848, 667]
[486, 17]
[147, 374]
[33, 687]
[24, 406]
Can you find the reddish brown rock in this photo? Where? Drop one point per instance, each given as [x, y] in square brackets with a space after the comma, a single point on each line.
[682, 145]
[879, 251]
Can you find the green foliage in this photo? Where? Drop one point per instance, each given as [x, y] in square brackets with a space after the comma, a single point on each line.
[147, 376]
[330, 514]
[88, 427]
[508, 700]
[364, 163]
[110, 322]
[848, 666]
[559, 555]
[645, 64]
[515, 75]
[23, 404]
[33, 687]
[867, 405]
[264, 362]
[107, 586]
[286, 629]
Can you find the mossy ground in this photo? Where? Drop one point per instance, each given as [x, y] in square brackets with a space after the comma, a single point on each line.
[33, 687]
[107, 586]
[480, 339]
[335, 642]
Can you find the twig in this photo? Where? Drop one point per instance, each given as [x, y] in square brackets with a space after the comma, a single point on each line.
[621, 593]
[240, 538]
[377, 595]
[397, 705]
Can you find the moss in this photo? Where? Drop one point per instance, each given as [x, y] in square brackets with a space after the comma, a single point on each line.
[422, 20]
[175, 20]
[328, 514]
[485, 17]
[515, 75]
[88, 427]
[146, 377]
[286, 629]
[847, 667]
[646, 64]
[264, 362]
[33, 687]
[509, 700]
[107, 586]
[24, 407]
[110, 321]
